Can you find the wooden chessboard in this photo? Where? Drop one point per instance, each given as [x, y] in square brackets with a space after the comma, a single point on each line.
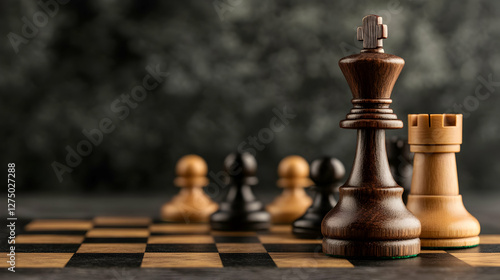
[122, 242]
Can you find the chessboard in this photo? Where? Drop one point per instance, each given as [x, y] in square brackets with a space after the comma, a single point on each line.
[141, 242]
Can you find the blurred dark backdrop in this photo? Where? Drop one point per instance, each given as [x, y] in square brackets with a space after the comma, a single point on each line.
[232, 65]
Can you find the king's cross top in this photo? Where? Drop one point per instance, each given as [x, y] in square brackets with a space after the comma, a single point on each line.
[372, 32]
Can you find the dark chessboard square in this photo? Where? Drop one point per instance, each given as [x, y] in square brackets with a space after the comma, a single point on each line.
[298, 248]
[47, 248]
[115, 240]
[425, 260]
[91, 260]
[236, 239]
[180, 248]
[160, 221]
[246, 259]
[482, 248]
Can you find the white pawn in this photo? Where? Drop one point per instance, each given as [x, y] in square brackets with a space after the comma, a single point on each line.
[191, 204]
[293, 201]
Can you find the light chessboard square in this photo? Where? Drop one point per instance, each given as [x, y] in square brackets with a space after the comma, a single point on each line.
[432, 252]
[45, 224]
[122, 221]
[182, 260]
[240, 248]
[281, 229]
[180, 239]
[479, 259]
[48, 239]
[117, 232]
[490, 239]
[178, 228]
[37, 260]
[112, 248]
[309, 260]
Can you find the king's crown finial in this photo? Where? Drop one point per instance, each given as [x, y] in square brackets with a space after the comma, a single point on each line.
[372, 32]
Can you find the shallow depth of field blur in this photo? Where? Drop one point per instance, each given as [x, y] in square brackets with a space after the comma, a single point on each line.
[232, 65]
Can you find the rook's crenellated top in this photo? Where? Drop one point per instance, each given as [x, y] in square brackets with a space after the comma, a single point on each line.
[435, 133]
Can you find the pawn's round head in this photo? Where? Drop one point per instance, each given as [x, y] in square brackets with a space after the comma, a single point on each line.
[293, 167]
[327, 171]
[191, 166]
[240, 165]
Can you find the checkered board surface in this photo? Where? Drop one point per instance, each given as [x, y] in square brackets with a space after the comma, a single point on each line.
[142, 242]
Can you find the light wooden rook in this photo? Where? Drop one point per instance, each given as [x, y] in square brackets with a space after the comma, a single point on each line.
[434, 197]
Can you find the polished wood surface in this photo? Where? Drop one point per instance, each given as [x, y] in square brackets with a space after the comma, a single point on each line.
[434, 197]
[370, 219]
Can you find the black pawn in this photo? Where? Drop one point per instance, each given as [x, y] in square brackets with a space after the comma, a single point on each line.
[326, 174]
[240, 210]
[401, 163]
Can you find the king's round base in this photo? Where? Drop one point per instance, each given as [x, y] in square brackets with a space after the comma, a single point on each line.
[371, 249]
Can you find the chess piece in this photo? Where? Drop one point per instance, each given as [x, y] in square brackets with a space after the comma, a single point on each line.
[434, 198]
[293, 172]
[240, 210]
[370, 220]
[191, 204]
[400, 162]
[326, 173]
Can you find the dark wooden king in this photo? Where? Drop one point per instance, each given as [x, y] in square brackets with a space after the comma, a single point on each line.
[370, 219]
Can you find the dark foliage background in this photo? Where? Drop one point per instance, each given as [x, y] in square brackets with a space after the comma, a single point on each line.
[228, 69]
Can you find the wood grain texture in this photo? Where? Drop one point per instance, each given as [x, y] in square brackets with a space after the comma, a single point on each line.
[434, 197]
[479, 259]
[122, 221]
[241, 248]
[371, 77]
[59, 224]
[112, 248]
[370, 219]
[48, 239]
[180, 239]
[179, 260]
[38, 260]
[117, 232]
[299, 260]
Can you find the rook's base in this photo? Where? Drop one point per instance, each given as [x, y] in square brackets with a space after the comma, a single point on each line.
[450, 243]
